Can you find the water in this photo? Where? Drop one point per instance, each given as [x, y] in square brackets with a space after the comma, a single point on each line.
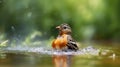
[43, 57]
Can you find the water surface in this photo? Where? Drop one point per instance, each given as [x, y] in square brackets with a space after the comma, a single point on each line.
[40, 57]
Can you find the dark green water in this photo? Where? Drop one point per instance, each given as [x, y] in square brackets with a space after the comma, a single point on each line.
[107, 58]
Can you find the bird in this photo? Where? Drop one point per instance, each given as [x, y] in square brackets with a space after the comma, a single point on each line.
[64, 40]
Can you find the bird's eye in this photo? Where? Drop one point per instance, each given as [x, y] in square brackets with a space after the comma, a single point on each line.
[64, 27]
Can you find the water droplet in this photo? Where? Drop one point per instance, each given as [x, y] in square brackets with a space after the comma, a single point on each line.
[29, 14]
[13, 28]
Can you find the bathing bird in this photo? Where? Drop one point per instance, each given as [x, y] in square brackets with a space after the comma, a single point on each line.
[64, 40]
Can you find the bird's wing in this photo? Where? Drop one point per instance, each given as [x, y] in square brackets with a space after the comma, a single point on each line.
[72, 45]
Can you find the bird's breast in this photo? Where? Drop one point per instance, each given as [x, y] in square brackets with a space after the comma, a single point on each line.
[60, 42]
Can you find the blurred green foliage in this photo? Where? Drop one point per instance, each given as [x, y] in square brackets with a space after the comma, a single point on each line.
[89, 19]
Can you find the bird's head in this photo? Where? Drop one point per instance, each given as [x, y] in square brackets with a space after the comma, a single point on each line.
[64, 28]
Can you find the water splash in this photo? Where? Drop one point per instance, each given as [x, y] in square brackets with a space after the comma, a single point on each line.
[43, 50]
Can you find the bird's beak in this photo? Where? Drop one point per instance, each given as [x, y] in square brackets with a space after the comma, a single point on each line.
[58, 27]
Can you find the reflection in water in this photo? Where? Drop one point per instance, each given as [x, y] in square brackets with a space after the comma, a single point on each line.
[62, 60]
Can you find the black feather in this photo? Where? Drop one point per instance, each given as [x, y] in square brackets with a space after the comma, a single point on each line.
[72, 45]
